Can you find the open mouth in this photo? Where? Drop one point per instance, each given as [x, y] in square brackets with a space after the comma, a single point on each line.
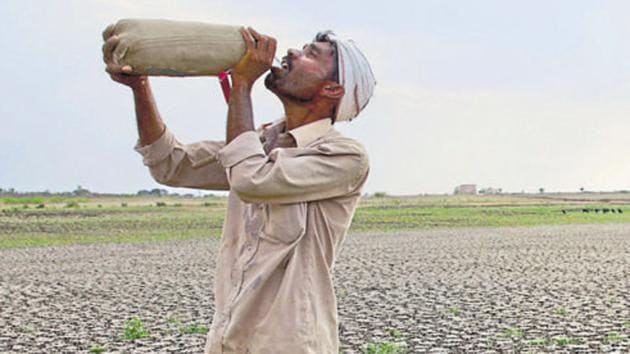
[285, 64]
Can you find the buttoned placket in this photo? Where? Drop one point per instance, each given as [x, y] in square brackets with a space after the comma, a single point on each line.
[252, 234]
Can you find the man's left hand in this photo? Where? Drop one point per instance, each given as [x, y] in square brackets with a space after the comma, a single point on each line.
[258, 58]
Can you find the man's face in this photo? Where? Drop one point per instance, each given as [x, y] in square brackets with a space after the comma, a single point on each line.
[303, 72]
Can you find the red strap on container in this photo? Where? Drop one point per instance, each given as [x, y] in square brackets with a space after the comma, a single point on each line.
[224, 79]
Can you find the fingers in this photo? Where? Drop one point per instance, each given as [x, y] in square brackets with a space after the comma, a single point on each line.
[115, 69]
[250, 42]
[108, 49]
[266, 44]
[108, 31]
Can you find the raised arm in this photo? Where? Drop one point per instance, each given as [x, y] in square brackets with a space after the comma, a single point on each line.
[170, 162]
[150, 124]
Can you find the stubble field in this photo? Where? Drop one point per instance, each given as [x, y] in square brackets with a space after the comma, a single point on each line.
[425, 274]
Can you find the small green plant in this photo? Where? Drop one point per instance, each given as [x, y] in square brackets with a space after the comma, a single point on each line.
[512, 333]
[96, 348]
[26, 329]
[25, 206]
[134, 329]
[537, 341]
[124, 205]
[160, 204]
[40, 206]
[613, 337]
[454, 310]
[560, 341]
[194, 328]
[395, 333]
[175, 324]
[72, 205]
[560, 311]
[384, 348]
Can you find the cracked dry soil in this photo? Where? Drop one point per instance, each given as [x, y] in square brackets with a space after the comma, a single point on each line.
[486, 290]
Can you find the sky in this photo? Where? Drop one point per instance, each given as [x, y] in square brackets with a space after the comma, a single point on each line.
[513, 95]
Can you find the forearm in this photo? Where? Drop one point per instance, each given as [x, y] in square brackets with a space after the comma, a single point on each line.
[150, 124]
[240, 113]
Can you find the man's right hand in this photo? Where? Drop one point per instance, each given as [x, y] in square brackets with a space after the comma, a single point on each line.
[117, 72]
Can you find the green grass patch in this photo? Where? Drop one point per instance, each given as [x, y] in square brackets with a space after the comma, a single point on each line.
[134, 329]
[537, 342]
[512, 333]
[613, 337]
[42, 200]
[384, 348]
[59, 221]
[560, 311]
[96, 348]
[563, 340]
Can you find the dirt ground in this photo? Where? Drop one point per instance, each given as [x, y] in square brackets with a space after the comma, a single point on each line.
[500, 290]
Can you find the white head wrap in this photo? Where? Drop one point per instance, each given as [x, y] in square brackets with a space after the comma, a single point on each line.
[356, 77]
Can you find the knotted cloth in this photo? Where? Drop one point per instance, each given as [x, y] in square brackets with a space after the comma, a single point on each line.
[356, 77]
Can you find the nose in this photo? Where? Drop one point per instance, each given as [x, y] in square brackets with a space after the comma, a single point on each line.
[292, 53]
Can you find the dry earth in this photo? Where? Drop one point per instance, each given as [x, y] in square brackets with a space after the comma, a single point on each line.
[497, 290]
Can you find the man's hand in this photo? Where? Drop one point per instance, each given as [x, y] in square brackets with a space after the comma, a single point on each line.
[258, 58]
[118, 73]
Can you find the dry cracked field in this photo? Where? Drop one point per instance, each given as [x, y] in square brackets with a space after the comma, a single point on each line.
[490, 290]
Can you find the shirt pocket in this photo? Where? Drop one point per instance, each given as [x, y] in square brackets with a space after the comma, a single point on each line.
[284, 222]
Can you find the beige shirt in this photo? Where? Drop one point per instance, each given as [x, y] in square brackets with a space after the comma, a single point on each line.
[288, 213]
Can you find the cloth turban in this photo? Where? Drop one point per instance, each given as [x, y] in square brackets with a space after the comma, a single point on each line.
[355, 75]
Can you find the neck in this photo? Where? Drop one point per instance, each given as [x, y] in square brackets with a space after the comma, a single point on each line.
[300, 114]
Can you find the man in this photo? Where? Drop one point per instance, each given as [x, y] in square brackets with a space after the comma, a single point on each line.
[293, 187]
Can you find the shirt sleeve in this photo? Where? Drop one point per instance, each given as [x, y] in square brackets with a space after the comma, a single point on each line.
[293, 175]
[192, 165]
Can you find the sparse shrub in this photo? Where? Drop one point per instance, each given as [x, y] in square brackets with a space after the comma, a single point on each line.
[455, 311]
[99, 206]
[134, 329]
[613, 337]
[124, 205]
[177, 325]
[194, 328]
[160, 204]
[561, 311]
[25, 206]
[40, 206]
[512, 333]
[380, 195]
[177, 204]
[72, 205]
[537, 341]
[560, 341]
[96, 348]
[384, 348]
[395, 333]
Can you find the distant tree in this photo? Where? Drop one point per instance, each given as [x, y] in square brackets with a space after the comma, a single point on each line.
[158, 192]
[541, 190]
[80, 191]
[380, 194]
[582, 189]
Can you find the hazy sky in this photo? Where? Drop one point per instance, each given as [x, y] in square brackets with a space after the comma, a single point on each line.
[517, 95]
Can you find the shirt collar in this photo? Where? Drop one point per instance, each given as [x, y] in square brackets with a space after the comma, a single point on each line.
[306, 134]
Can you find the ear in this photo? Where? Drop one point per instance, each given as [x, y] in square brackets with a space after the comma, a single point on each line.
[332, 90]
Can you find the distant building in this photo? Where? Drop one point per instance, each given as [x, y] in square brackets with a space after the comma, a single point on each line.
[466, 189]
